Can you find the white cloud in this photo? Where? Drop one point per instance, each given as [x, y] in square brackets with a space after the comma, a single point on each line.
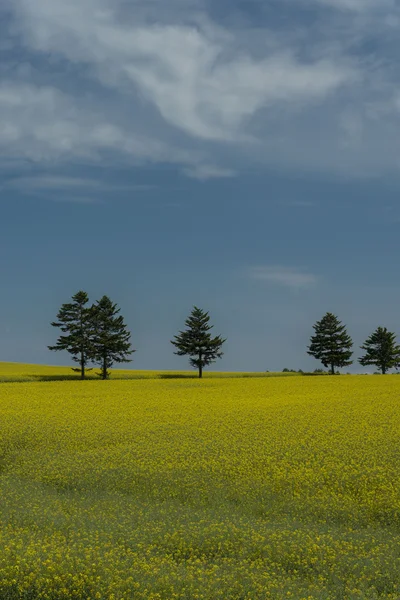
[212, 100]
[133, 81]
[43, 125]
[36, 122]
[286, 276]
[193, 76]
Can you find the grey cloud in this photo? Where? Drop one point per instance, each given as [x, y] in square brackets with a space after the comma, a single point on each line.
[44, 183]
[358, 6]
[193, 76]
[43, 125]
[175, 87]
[204, 172]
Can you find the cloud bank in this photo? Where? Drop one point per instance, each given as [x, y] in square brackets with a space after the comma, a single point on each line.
[129, 82]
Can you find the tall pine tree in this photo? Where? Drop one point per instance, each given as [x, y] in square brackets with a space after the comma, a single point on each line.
[74, 320]
[381, 350]
[331, 344]
[196, 341]
[111, 338]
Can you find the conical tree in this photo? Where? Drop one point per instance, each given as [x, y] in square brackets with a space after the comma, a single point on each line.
[74, 320]
[111, 338]
[331, 344]
[381, 350]
[196, 341]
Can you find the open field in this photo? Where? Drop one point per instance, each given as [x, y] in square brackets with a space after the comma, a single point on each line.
[20, 372]
[215, 489]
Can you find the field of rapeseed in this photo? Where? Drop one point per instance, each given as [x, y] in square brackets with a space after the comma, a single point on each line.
[23, 372]
[215, 489]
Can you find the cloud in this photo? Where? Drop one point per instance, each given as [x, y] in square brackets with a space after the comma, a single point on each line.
[194, 76]
[52, 182]
[358, 5]
[41, 124]
[204, 172]
[285, 276]
[44, 183]
[128, 82]
[212, 100]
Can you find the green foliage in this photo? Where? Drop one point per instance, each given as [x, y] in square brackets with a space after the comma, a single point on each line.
[74, 320]
[381, 350]
[111, 338]
[331, 344]
[196, 341]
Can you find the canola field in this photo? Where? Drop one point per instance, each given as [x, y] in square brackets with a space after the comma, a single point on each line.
[217, 489]
[19, 372]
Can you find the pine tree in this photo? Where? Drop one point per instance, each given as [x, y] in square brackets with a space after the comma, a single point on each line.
[197, 342]
[381, 350]
[111, 338]
[74, 320]
[331, 344]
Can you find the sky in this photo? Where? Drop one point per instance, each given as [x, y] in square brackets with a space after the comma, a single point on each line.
[242, 156]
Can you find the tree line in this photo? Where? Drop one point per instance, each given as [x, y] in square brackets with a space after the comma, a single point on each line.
[332, 345]
[97, 334]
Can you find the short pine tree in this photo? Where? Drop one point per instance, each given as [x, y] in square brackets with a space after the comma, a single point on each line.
[196, 341]
[111, 338]
[381, 350]
[74, 320]
[331, 344]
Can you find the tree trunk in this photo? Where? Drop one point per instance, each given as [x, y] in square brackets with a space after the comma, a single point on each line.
[200, 367]
[104, 369]
[82, 348]
[332, 369]
[383, 370]
[82, 366]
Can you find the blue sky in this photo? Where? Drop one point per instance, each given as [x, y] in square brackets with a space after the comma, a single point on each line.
[242, 156]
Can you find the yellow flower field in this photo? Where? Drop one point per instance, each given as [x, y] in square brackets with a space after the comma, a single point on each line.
[215, 489]
[22, 372]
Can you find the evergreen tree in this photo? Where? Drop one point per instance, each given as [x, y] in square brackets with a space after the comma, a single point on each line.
[331, 344]
[381, 350]
[111, 338]
[197, 342]
[74, 320]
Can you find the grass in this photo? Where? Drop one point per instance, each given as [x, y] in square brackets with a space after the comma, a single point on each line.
[225, 488]
[18, 372]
